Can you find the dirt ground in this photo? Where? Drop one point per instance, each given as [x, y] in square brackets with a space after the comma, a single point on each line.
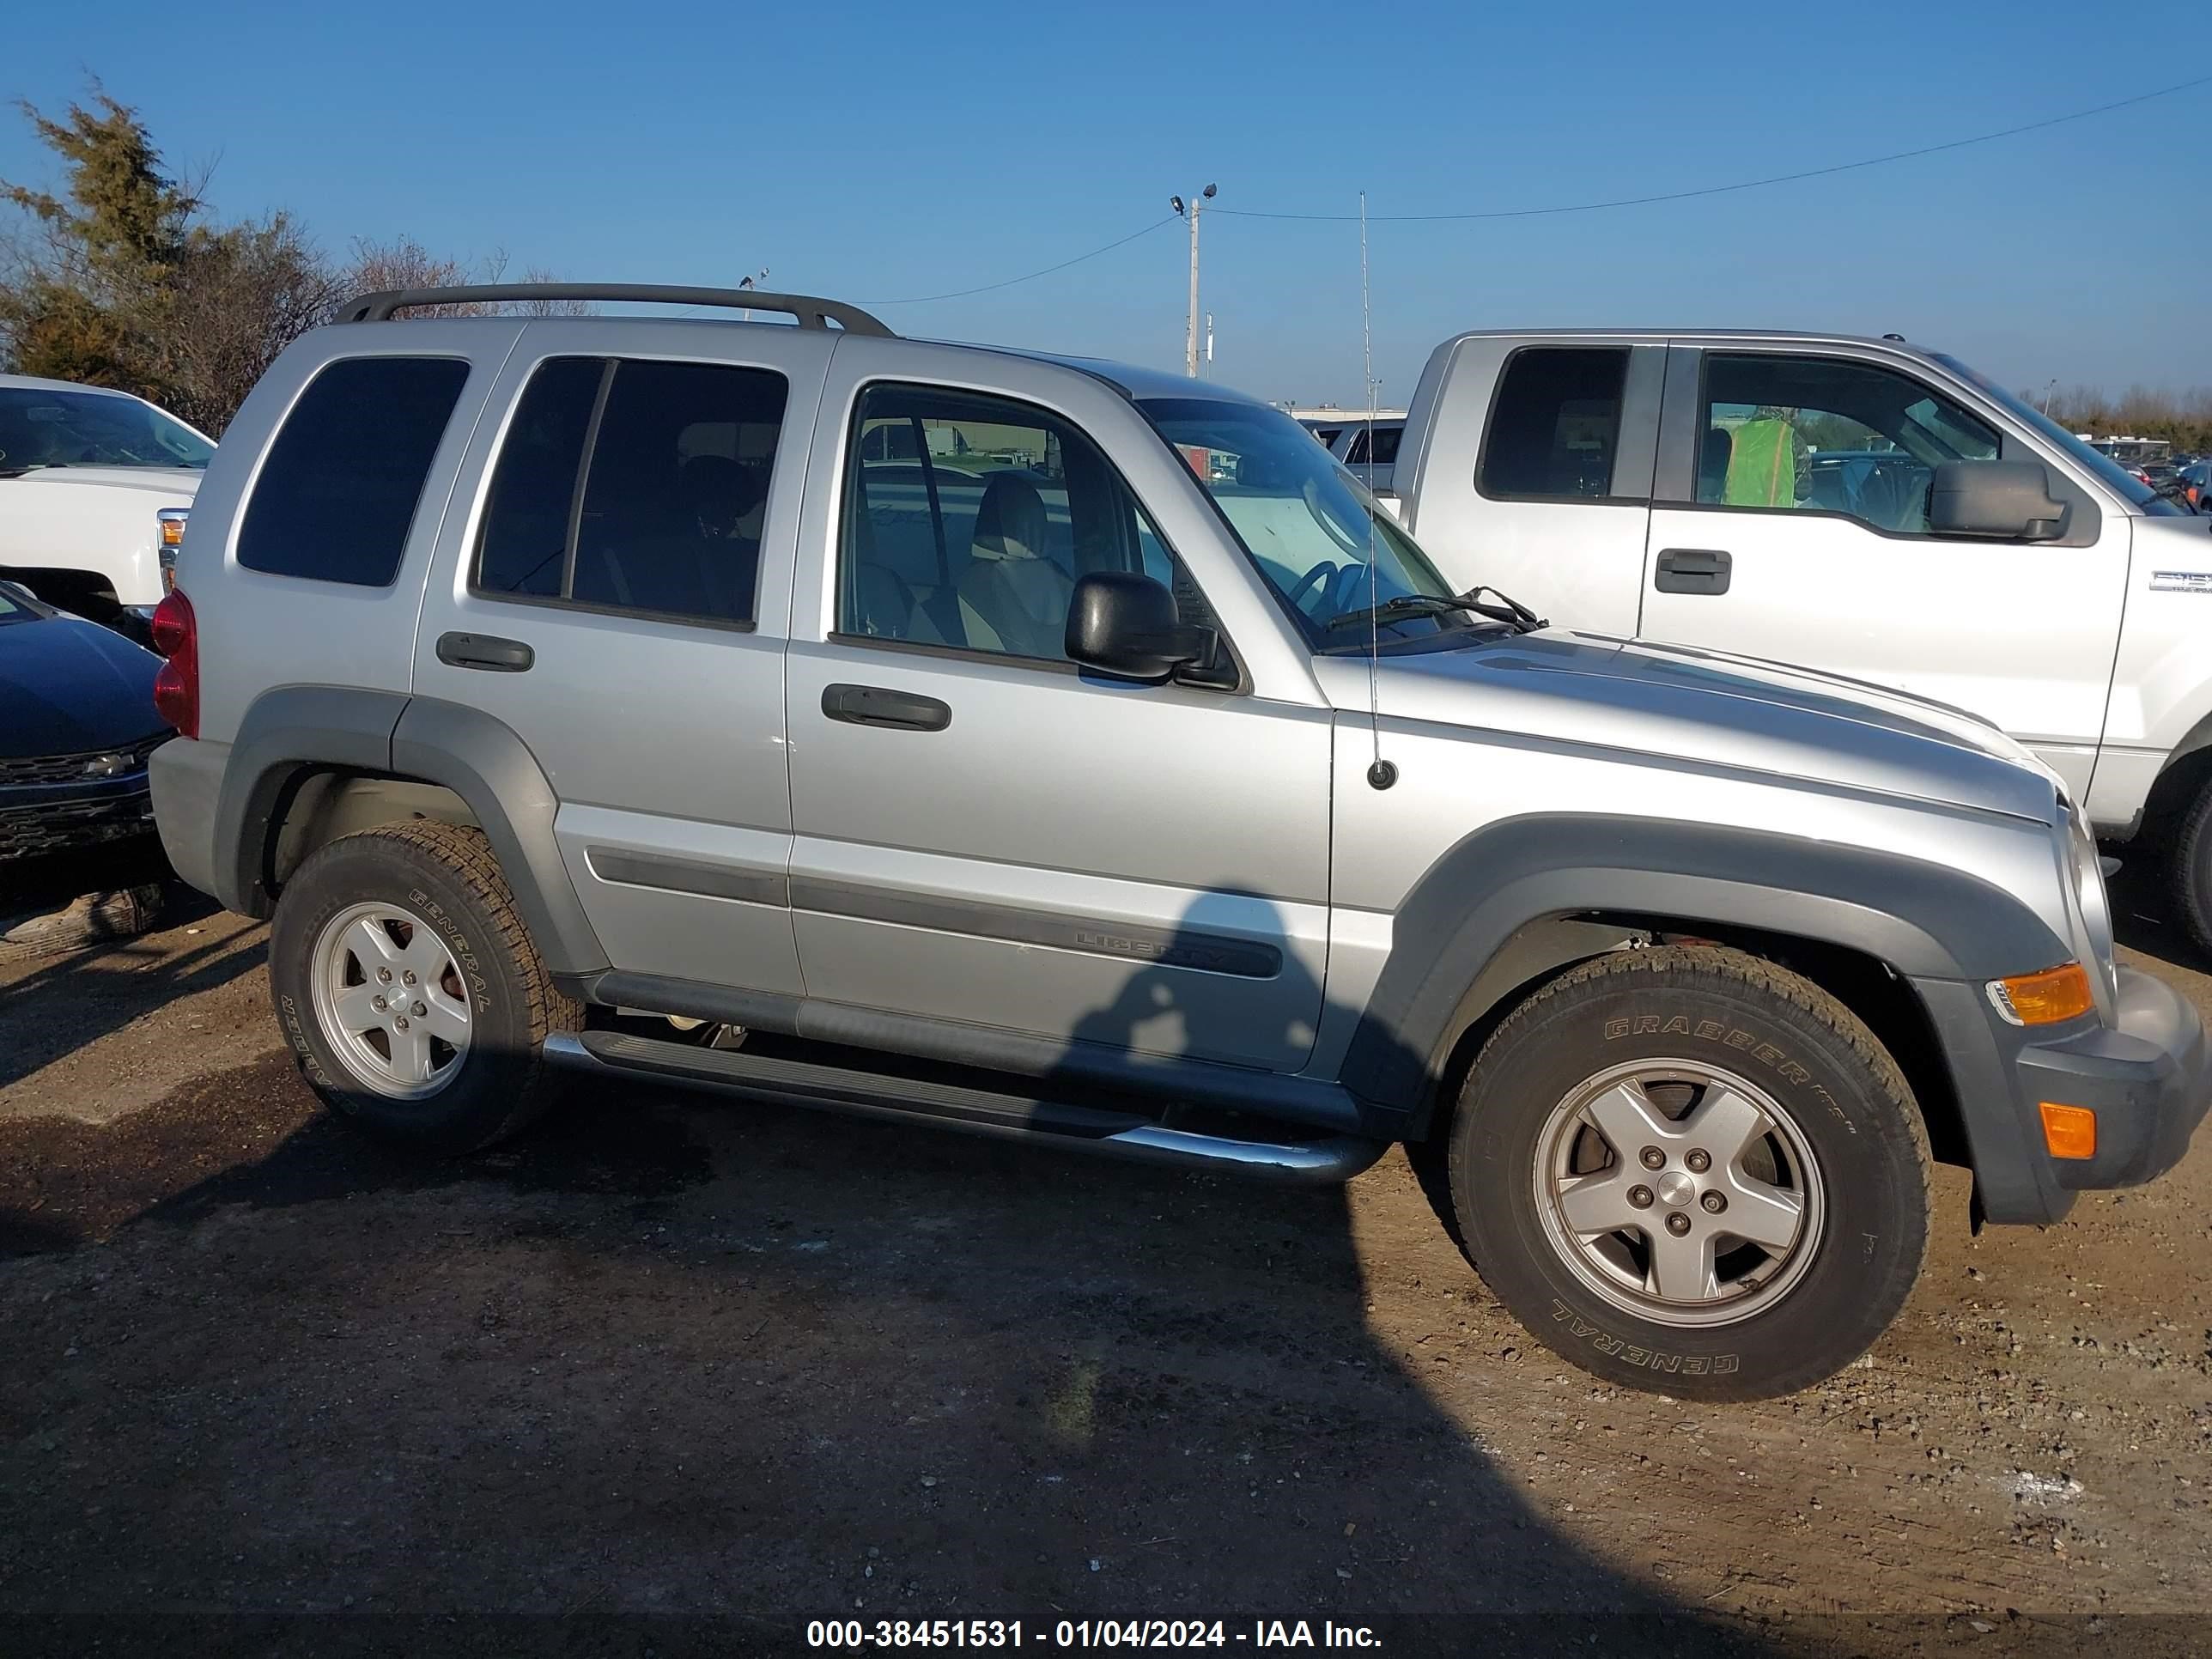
[681, 1374]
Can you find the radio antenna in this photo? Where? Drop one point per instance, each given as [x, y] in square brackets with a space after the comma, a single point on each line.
[1381, 773]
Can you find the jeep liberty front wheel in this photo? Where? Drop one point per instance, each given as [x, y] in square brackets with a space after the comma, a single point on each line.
[409, 988]
[1688, 1170]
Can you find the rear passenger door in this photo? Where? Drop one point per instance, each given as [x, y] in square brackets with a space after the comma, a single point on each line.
[616, 590]
[1536, 475]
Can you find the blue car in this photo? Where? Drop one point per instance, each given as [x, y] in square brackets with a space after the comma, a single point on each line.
[76, 726]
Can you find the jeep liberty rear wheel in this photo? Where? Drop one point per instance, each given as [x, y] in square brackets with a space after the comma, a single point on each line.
[1688, 1170]
[409, 988]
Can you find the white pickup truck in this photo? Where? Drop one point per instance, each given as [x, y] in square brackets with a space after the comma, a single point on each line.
[94, 487]
[1865, 507]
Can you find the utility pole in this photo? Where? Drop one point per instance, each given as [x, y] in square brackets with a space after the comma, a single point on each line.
[1196, 206]
[753, 281]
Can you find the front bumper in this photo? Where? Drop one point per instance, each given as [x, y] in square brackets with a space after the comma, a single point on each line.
[2148, 1076]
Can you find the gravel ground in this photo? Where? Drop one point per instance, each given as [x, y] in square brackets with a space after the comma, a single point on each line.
[680, 1374]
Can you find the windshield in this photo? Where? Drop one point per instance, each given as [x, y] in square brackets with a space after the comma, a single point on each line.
[2109, 472]
[39, 426]
[1306, 523]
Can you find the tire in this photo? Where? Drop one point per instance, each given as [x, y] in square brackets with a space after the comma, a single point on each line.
[422, 899]
[2189, 869]
[1811, 1119]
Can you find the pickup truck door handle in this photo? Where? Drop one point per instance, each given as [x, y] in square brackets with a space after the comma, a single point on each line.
[485, 651]
[1693, 570]
[879, 705]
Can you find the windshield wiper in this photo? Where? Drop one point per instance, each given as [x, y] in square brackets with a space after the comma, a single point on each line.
[28, 466]
[1511, 612]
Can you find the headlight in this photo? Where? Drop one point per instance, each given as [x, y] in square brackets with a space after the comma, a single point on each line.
[2089, 893]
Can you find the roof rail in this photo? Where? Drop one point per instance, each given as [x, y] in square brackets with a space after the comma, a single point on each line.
[811, 313]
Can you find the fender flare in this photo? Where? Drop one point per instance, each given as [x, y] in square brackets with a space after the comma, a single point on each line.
[291, 730]
[1924, 920]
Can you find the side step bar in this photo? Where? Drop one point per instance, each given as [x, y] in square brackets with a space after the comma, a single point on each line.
[1031, 1118]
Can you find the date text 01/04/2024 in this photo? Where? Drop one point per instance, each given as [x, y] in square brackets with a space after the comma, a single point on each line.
[1085, 1633]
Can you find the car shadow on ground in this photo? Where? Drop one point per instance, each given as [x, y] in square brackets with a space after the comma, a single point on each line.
[56, 1003]
[738, 1366]
[732, 1368]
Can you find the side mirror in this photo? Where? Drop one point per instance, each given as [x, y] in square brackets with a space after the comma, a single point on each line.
[2011, 498]
[1124, 624]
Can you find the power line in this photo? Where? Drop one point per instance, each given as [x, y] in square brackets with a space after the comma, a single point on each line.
[1748, 184]
[989, 287]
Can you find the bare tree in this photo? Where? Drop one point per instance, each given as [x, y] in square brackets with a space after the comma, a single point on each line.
[404, 263]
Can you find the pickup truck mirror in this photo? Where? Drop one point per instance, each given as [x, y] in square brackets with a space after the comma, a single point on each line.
[2010, 499]
[1124, 624]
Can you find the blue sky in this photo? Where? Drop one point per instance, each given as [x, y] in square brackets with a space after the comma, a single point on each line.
[880, 151]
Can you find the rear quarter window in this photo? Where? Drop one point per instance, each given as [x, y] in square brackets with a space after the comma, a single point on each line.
[338, 489]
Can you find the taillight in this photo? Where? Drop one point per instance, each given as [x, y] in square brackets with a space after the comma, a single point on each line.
[177, 687]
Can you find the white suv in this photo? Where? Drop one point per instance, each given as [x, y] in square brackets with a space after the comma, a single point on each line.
[94, 487]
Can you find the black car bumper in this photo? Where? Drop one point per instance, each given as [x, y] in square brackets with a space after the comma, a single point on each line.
[2148, 1076]
[59, 813]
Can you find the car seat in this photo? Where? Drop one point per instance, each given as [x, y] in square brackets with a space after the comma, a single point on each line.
[1013, 598]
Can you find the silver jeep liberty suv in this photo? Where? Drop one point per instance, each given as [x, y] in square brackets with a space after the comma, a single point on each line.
[1052, 749]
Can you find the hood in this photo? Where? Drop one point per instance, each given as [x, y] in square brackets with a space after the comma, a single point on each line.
[173, 482]
[1733, 713]
[69, 686]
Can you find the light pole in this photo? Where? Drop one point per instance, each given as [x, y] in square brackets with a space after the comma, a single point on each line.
[1196, 206]
[753, 281]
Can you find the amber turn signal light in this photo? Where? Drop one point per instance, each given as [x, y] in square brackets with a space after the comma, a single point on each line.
[2068, 1131]
[2044, 999]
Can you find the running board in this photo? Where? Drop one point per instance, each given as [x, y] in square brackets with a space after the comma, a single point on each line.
[1032, 1118]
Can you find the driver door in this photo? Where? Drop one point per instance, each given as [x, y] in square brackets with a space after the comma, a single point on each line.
[986, 834]
[1803, 538]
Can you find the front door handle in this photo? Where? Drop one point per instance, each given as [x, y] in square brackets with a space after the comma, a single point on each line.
[879, 705]
[1693, 570]
[484, 651]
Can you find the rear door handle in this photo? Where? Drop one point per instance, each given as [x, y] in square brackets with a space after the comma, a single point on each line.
[879, 705]
[1693, 570]
[484, 651]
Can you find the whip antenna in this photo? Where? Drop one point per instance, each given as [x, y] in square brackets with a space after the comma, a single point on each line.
[1380, 772]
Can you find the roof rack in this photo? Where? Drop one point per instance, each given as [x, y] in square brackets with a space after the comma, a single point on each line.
[811, 313]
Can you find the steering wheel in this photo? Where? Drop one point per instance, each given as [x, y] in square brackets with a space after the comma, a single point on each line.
[1325, 569]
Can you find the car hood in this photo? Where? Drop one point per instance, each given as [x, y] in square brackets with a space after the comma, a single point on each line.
[1726, 712]
[68, 687]
[173, 482]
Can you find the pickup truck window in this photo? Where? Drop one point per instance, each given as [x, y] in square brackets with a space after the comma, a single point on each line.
[2108, 471]
[1554, 426]
[1306, 522]
[339, 486]
[662, 517]
[968, 517]
[1828, 435]
[41, 427]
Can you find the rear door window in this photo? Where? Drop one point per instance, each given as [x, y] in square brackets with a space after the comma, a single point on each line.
[339, 486]
[1554, 429]
[634, 485]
